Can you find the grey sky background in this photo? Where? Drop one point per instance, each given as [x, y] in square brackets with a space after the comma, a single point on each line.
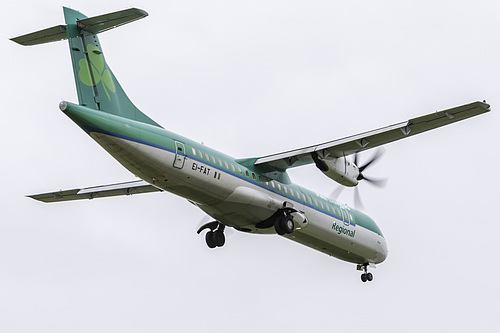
[252, 78]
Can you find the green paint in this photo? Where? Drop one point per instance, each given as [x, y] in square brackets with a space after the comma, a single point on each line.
[96, 70]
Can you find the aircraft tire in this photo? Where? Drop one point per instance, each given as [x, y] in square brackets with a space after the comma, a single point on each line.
[288, 224]
[210, 239]
[219, 238]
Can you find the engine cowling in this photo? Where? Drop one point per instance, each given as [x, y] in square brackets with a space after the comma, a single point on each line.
[339, 169]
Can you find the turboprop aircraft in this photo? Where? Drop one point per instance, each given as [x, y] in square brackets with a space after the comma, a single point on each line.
[253, 195]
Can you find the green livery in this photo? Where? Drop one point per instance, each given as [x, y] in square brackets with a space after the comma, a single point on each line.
[252, 195]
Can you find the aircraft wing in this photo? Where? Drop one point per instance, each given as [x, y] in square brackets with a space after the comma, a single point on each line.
[367, 140]
[112, 190]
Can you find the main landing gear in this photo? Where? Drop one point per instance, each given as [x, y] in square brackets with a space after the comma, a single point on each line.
[366, 276]
[215, 237]
[283, 224]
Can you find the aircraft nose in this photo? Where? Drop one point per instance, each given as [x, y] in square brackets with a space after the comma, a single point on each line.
[382, 251]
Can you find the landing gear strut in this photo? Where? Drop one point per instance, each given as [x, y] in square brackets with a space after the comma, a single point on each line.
[215, 237]
[366, 276]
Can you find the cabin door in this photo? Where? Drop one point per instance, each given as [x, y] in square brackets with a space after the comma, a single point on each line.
[180, 155]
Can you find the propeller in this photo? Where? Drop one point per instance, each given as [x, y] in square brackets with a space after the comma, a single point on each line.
[377, 182]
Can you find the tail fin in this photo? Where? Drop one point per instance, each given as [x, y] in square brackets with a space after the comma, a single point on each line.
[96, 84]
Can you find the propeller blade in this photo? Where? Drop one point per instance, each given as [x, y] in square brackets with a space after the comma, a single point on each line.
[336, 193]
[358, 204]
[378, 182]
[374, 158]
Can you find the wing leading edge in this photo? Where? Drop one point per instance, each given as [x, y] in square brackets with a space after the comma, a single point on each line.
[112, 190]
[371, 139]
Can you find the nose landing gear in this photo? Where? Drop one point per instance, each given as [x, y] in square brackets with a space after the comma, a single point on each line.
[215, 237]
[366, 276]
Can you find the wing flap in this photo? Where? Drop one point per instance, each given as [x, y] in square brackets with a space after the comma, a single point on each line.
[371, 139]
[103, 191]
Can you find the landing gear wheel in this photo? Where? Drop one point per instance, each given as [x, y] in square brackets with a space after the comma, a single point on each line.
[284, 225]
[366, 276]
[219, 238]
[210, 239]
[215, 236]
[288, 224]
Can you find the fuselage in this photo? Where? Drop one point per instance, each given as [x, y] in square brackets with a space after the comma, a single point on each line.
[232, 191]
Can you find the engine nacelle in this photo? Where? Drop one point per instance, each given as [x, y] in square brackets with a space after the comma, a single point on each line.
[340, 170]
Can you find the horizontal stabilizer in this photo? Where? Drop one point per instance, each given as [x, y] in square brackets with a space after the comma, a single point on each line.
[93, 25]
[103, 191]
[48, 35]
[105, 22]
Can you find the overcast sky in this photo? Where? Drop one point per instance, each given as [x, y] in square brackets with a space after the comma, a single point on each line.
[252, 78]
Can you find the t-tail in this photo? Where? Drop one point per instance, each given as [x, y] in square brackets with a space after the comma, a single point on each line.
[96, 84]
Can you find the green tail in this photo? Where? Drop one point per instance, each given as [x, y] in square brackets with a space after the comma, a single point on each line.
[96, 84]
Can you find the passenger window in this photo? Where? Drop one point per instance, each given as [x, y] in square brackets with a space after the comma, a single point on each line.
[232, 167]
[279, 186]
[220, 162]
[247, 173]
[227, 165]
[241, 171]
[254, 176]
[194, 151]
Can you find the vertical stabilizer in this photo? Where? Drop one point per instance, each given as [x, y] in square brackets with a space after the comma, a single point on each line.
[96, 85]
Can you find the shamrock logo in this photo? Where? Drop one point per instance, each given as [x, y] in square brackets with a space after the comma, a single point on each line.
[98, 71]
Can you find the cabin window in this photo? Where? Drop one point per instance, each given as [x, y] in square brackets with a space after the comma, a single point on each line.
[260, 179]
[279, 186]
[226, 165]
[213, 159]
[321, 203]
[194, 151]
[247, 173]
[286, 191]
[327, 207]
[240, 171]
[303, 197]
[316, 202]
[207, 157]
[220, 162]
[232, 167]
[310, 200]
[272, 184]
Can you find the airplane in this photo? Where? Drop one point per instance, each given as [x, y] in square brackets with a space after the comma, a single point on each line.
[252, 195]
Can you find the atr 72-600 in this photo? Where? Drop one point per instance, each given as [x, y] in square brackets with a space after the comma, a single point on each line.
[252, 195]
